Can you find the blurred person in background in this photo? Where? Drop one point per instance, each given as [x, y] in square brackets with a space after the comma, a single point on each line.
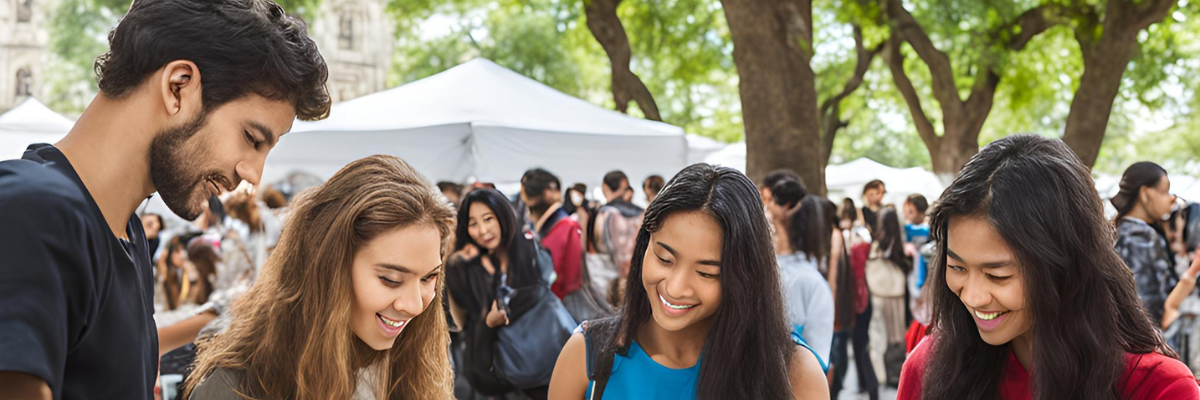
[452, 191]
[916, 233]
[801, 243]
[273, 198]
[1143, 204]
[617, 223]
[842, 285]
[872, 197]
[172, 276]
[858, 240]
[491, 249]
[561, 235]
[769, 181]
[651, 186]
[246, 247]
[887, 272]
[153, 225]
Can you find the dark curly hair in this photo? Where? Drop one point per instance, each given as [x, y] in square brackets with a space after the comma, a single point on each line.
[240, 46]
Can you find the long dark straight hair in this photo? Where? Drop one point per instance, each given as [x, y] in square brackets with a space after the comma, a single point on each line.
[172, 275]
[746, 354]
[843, 300]
[804, 219]
[891, 238]
[1086, 315]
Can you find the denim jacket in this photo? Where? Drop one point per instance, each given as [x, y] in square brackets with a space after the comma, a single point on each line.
[1145, 253]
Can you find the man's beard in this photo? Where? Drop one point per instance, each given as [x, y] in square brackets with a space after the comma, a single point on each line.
[174, 172]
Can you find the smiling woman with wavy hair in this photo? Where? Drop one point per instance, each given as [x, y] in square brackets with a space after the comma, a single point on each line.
[1030, 301]
[348, 304]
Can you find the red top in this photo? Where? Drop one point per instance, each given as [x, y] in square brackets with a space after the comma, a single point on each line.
[914, 336]
[1148, 377]
[566, 250]
[858, 263]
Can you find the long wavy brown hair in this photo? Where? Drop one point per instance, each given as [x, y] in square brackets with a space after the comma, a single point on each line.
[290, 335]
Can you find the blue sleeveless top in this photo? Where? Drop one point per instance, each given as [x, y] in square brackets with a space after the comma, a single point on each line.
[636, 376]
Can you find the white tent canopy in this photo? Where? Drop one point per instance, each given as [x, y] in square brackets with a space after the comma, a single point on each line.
[847, 180]
[27, 123]
[480, 120]
[732, 156]
[700, 147]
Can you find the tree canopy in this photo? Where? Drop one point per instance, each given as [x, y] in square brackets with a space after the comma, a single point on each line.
[1031, 64]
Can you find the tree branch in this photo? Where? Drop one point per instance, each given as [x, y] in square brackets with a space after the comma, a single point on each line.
[1150, 12]
[831, 120]
[979, 103]
[1030, 24]
[895, 61]
[606, 27]
[906, 28]
[863, 58]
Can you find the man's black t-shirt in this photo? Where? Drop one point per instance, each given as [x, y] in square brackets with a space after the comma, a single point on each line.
[76, 302]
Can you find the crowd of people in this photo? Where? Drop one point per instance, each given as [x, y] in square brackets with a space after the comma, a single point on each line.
[378, 284]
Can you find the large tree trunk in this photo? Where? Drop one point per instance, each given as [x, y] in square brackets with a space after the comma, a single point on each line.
[772, 46]
[1104, 63]
[604, 24]
[962, 120]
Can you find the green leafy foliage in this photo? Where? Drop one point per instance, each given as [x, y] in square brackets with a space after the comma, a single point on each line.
[683, 52]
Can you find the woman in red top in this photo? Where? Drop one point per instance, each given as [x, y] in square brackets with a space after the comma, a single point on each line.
[1030, 301]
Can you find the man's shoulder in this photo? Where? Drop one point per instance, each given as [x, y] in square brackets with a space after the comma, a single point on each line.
[32, 188]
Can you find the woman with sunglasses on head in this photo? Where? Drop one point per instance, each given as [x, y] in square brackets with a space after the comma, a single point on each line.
[341, 310]
[704, 315]
[1029, 299]
[1143, 204]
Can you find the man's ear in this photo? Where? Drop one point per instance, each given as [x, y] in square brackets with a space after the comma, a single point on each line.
[180, 88]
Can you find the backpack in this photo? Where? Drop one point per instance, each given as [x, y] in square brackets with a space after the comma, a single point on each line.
[598, 338]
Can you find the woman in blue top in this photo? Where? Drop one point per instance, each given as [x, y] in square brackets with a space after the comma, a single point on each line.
[707, 320]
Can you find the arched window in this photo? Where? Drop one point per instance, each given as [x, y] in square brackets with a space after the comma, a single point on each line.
[24, 82]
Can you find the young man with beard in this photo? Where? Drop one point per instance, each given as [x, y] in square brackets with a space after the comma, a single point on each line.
[193, 94]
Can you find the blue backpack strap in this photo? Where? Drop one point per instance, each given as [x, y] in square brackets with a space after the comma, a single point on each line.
[799, 340]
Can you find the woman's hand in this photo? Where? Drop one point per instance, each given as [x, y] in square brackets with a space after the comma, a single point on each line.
[1193, 270]
[1187, 283]
[495, 317]
[467, 252]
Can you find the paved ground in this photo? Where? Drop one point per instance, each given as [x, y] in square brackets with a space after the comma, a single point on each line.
[850, 385]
